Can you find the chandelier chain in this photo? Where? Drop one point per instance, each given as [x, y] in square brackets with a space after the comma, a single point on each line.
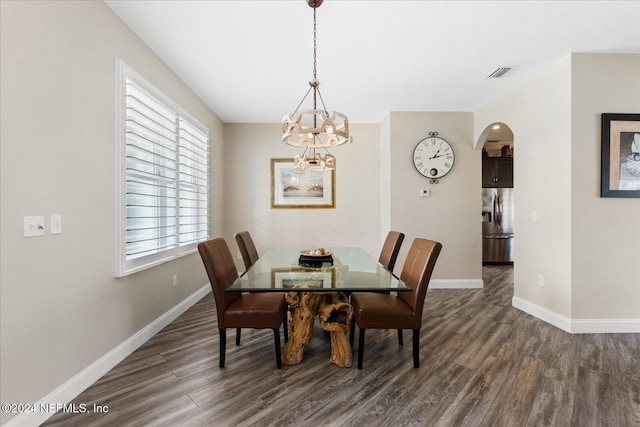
[315, 45]
[315, 73]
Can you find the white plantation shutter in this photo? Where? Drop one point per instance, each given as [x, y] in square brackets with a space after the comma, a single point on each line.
[162, 157]
[193, 167]
[151, 136]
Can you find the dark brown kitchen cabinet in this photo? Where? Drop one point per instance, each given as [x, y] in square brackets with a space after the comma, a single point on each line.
[497, 172]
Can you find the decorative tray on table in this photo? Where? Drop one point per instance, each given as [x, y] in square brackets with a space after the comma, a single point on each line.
[315, 258]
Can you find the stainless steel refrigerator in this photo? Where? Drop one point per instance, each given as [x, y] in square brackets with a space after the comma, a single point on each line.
[497, 225]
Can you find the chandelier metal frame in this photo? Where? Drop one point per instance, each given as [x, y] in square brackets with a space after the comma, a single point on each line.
[315, 129]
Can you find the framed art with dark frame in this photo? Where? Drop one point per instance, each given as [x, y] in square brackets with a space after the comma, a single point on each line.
[291, 189]
[620, 167]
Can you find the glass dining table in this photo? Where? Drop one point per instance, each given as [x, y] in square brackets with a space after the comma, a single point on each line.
[318, 285]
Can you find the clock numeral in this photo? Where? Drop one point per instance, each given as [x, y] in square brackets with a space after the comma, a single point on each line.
[420, 165]
[447, 165]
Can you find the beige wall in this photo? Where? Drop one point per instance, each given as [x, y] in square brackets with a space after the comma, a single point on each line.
[374, 192]
[385, 176]
[62, 309]
[451, 215]
[586, 247]
[355, 221]
[605, 231]
[539, 114]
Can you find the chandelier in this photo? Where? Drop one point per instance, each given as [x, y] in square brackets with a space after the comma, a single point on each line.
[316, 130]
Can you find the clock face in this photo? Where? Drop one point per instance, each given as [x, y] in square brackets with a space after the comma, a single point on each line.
[433, 157]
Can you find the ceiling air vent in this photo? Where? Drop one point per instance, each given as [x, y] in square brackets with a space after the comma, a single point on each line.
[498, 72]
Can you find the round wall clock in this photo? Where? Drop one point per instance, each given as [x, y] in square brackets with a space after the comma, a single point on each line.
[433, 157]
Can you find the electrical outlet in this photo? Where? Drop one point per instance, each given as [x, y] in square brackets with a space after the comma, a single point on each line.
[540, 280]
[175, 281]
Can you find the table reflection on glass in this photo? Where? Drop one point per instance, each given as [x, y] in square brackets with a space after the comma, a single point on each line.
[321, 286]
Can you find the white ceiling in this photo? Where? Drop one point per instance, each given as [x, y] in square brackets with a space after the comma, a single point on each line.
[250, 61]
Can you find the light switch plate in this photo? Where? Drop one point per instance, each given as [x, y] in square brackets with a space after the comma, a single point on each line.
[56, 224]
[33, 226]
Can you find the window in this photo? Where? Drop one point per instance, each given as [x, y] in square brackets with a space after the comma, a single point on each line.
[162, 176]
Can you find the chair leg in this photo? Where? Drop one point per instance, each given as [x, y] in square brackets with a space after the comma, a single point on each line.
[353, 332]
[416, 348]
[223, 345]
[285, 324]
[238, 331]
[360, 347]
[276, 337]
[400, 343]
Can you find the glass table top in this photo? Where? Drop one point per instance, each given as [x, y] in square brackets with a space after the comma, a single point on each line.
[352, 270]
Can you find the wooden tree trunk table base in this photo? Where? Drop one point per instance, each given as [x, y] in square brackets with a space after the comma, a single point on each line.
[302, 306]
[335, 315]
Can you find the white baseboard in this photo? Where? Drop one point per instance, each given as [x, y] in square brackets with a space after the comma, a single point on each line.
[605, 326]
[456, 284]
[578, 326]
[81, 381]
[542, 313]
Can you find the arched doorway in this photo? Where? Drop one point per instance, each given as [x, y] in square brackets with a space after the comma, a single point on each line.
[497, 194]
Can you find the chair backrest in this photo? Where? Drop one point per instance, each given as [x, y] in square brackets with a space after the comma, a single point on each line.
[247, 248]
[390, 249]
[416, 273]
[221, 270]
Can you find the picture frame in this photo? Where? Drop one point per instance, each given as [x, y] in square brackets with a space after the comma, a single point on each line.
[620, 162]
[301, 279]
[296, 190]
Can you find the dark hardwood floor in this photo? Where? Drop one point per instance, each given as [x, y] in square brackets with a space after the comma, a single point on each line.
[483, 363]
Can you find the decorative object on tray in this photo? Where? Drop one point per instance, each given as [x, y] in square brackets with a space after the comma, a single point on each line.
[321, 252]
[620, 168]
[315, 258]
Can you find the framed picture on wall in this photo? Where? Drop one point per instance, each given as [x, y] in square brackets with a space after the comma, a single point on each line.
[288, 279]
[291, 189]
[620, 168]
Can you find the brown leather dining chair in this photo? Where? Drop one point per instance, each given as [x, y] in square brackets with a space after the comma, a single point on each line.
[373, 310]
[240, 310]
[247, 248]
[388, 256]
[390, 249]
